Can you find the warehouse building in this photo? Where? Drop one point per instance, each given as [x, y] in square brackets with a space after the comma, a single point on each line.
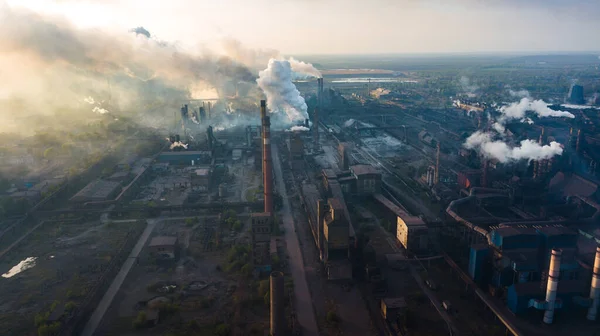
[185, 158]
[412, 233]
[200, 178]
[96, 191]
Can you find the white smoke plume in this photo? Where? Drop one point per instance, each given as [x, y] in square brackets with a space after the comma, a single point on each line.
[518, 110]
[299, 129]
[99, 110]
[305, 69]
[501, 151]
[89, 100]
[282, 95]
[468, 87]
[193, 119]
[178, 144]
[519, 93]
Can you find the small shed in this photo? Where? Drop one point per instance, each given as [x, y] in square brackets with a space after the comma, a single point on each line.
[163, 247]
[392, 308]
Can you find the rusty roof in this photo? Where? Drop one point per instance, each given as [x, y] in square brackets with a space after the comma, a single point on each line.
[163, 241]
[363, 169]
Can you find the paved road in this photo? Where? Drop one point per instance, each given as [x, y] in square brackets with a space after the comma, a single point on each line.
[304, 307]
[98, 314]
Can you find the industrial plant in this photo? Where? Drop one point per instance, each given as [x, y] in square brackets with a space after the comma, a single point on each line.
[328, 201]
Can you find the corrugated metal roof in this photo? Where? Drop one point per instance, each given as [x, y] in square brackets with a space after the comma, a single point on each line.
[163, 241]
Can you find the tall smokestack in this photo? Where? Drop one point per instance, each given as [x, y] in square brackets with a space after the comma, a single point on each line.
[316, 127]
[208, 114]
[319, 91]
[267, 163]
[595, 288]
[437, 165]
[551, 288]
[278, 323]
[578, 143]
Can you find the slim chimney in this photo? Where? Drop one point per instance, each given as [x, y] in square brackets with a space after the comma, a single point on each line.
[267, 163]
[316, 127]
[437, 165]
[278, 322]
[595, 288]
[551, 288]
[208, 114]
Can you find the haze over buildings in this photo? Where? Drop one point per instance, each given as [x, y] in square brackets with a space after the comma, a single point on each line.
[443, 26]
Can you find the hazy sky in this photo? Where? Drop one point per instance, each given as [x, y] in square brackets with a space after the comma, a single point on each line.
[350, 26]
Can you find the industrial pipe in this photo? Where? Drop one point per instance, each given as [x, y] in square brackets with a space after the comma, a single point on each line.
[277, 308]
[595, 288]
[551, 288]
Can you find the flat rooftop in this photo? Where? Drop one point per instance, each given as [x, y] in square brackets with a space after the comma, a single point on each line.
[98, 190]
[364, 170]
[163, 241]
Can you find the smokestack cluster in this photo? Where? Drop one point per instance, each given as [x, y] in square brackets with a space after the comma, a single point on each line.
[551, 289]
[595, 288]
[267, 162]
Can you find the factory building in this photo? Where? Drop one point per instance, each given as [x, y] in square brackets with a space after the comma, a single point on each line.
[163, 247]
[576, 94]
[412, 233]
[185, 158]
[428, 139]
[295, 145]
[261, 224]
[200, 178]
[368, 179]
[96, 191]
[335, 230]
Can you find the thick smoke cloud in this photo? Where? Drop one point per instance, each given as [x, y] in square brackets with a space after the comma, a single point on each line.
[51, 65]
[501, 151]
[276, 81]
[498, 149]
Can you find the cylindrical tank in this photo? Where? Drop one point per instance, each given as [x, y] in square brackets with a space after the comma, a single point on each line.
[553, 274]
[595, 288]
[221, 190]
[278, 325]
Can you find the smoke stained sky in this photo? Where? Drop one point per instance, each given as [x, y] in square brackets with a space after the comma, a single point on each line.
[331, 26]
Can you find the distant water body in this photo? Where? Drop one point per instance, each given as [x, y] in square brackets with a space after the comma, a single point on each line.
[373, 80]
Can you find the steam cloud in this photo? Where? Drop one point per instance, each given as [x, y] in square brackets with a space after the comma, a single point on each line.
[178, 144]
[519, 93]
[497, 149]
[276, 81]
[501, 151]
[299, 129]
[518, 111]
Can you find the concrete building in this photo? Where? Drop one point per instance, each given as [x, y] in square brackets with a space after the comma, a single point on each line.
[412, 233]
[96, 191]
[200, 178]
[261, 224]
[335, 230]
[576, 94]
[185, 158]
[392, 308]
[368, 179]
[296, 145]
[163, 247]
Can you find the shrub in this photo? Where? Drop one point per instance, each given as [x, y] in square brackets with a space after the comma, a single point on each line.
[222, 330]
[140, 320]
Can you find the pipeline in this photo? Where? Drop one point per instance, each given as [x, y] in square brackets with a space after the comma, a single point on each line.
[451, 211]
